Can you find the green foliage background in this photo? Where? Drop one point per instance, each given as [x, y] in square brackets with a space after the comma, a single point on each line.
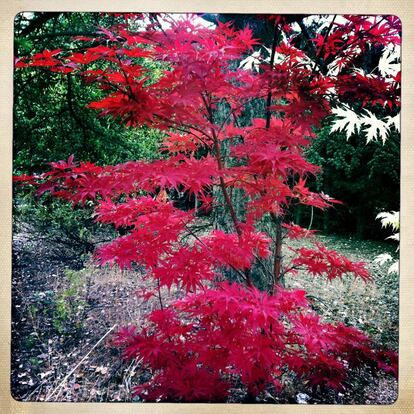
[364, 176]
[51, 122]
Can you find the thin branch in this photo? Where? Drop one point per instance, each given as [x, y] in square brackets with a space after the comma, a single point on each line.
[64, 34]
[243, 276]
[79, 363]
[220, 167]
[272, 61]
[311, 219]
[276, 220]
[159, 295]
[38, 23]
[324, 40]
[318, 60]
[345, 46]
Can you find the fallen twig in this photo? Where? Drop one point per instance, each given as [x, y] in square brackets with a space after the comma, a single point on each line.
[79, 363]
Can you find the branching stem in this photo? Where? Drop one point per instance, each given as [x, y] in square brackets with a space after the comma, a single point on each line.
[277, 261]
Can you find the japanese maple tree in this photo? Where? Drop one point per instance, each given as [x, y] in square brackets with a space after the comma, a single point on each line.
[208, 334]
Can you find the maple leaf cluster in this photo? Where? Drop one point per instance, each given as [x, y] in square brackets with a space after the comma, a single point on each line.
[322, 261]
[203, 342]
[219, 334]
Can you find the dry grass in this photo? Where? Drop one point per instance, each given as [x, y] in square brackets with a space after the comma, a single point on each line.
[371, 306]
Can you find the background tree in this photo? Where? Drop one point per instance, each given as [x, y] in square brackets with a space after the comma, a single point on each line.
[51, 121]
[342, 157]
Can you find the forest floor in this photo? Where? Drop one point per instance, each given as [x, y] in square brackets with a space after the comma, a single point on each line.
[63, 319]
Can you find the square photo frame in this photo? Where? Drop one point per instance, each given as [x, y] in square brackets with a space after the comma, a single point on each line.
[10, 398]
